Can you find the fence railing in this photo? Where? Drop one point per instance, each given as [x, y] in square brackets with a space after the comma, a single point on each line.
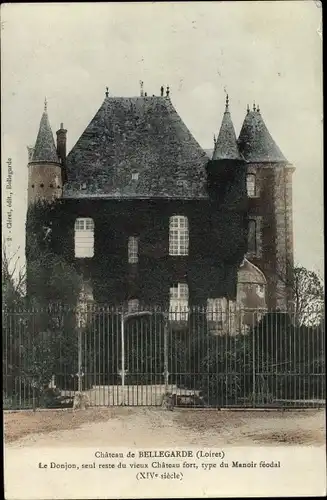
[231, 358]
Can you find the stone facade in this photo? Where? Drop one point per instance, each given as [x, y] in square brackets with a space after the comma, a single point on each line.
[272, 209]
[134, 167]
[44, 181]
[115, 281]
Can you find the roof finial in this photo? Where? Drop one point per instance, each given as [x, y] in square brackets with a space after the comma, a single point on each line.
[254, 108]
[141, 88]
[248, 109]
[45, 105]
[227, 103]
[258, 109]
[162, 90]
[167, 91]
[107, 92]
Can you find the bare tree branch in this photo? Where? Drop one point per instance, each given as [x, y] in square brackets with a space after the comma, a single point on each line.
[306, 289]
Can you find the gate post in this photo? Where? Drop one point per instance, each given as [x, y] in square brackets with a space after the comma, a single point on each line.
[166, 372]
[122, 333]
[81, 320]
[254, 389]
[79, 359]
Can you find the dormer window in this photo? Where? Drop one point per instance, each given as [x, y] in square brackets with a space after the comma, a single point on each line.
[135, 176]
[182, 183]
[83, 186]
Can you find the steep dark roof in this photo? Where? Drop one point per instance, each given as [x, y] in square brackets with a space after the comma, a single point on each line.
[226, 145]
[255, 142]
[45, 149]
[144, 135]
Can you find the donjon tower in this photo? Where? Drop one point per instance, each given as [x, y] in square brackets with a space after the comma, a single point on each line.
[270, 214]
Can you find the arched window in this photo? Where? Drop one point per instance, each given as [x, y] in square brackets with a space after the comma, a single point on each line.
[178, 235]
[84, 238]
[251, 185]
[252, 236]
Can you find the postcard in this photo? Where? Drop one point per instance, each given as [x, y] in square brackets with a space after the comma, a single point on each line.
[162, 264]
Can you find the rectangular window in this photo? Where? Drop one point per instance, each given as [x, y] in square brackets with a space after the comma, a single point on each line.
[133, 305]
[84, 238]
[133, 250]
[178, 235]
[178, 302]
[252, 237]
[251, 185]
[216, 310]
[221, 315]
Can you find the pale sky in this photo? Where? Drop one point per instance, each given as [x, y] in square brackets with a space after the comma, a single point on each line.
[267, 52]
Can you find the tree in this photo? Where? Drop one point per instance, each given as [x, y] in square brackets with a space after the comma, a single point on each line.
[39, 334]
[307, 291]
[308, 296]
[13, 279]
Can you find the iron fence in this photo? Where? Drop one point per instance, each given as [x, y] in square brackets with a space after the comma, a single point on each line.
[201, 358]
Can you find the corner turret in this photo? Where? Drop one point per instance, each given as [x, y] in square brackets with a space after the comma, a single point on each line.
[44, 166]
[255, 142]
[226, 185]
[226, 169]
[226, 144]
[269, 182]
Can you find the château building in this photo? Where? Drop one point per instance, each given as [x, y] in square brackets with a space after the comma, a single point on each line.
[146, 216]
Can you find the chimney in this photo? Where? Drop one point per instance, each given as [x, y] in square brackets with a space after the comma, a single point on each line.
[61, 148]
[30, 150]
[61, 143]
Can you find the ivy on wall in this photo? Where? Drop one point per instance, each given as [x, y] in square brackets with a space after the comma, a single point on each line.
[49, 277]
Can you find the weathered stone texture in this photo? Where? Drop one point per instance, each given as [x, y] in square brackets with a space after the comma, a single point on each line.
[44, 181]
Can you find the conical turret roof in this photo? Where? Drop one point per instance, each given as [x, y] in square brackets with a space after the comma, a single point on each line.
[255, 142]
[45, 149]
[226, 144]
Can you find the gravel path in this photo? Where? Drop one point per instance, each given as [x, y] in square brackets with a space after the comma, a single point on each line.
[152, 427]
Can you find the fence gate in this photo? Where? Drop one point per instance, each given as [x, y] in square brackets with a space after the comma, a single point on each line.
[133, 358]
[124, 358]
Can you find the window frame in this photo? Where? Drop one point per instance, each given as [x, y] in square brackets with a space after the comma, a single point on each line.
[133, 249]
[253, 250]
[179, 301]
[253, 176]
[179, 239]
[84, 232]
[133, 305]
